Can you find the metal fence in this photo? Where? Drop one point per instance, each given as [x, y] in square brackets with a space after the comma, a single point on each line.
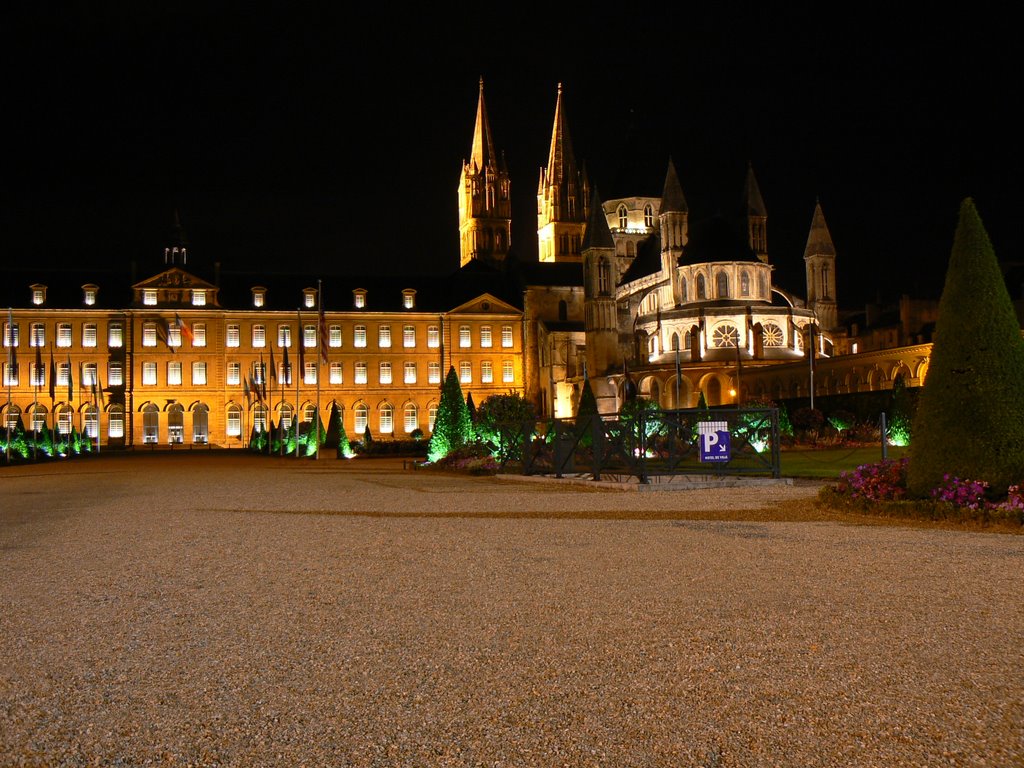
[648, 444]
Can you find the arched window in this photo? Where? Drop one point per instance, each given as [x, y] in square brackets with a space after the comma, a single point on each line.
[648, 215]
[623, 218]
[284, 416]
[722, 285]
[92, 422]
[762, 285]
[38, 417]
[150, 424]
[702, 291]
[431, 416]
[675, 341]
[387, 419]
[200, 424]
[234, 425]
[13, 415]
[362, 415]
[115, 423]
[308, 413]
[744, 283]
[411, 417]
[603, 277]
[175, 423]
[682, 288]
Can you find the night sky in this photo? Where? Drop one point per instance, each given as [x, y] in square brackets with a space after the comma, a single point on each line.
[323, 142]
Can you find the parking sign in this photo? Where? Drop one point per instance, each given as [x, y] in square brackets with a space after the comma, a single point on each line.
[714, 440]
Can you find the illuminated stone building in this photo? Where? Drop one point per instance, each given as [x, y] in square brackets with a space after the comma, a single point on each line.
[629, 291]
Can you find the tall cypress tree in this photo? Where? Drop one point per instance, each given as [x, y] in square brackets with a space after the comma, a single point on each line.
[970, 413]
[452, 425]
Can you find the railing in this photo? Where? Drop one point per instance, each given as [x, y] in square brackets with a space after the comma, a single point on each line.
[649, 443]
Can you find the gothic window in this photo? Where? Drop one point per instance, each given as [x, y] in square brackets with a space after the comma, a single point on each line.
[623, 219]
[648, 215]
[701, 288]
[722, 285]
[725, 335]
[603, 277]
[675, 341]
[744, 283]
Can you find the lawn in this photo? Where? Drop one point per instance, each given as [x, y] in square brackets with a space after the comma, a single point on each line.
[829, 462]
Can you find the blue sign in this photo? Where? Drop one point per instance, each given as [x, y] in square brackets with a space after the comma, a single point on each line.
[714, 440]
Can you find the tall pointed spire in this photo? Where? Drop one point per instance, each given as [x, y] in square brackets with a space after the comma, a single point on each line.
[820, 263]
[561, 207]
[756, 216]
[485, 208]
[672, 198]
[482, 154]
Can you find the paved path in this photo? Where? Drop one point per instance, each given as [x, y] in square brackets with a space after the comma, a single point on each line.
[202, 609]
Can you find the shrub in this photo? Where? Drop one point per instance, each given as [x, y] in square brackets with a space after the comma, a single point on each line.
[971, 407]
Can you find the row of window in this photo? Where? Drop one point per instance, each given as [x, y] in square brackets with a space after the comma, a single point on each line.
[200, 296]
[172, 334]
[200, 420]
[115, 373]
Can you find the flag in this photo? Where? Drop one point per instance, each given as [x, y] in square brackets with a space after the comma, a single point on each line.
[322, 333]
[99, 388]
[248, 394]
[71, 382]
[12, 354]
[285, 377]
[53, 377]
[184, 329]
[302, 347]
[39, 366]
[163, 329]
[263, 379]
[273, 365]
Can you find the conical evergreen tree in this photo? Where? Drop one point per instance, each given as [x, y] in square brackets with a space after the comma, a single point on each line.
[586, 412]
[970, 413]
[452, 426]
[471, 409]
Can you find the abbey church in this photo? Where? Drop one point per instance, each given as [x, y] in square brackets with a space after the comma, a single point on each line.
[630, 293]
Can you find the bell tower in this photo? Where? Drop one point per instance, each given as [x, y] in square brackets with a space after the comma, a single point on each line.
[820, 260]
[485, 207]
[561, 197]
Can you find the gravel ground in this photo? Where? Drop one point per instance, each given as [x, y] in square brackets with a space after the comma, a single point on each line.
[206, 610]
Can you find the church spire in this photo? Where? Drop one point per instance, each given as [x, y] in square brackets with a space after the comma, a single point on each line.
[820, 261]
[485, 208]
[560, 205]
[756, 216]
[482, 154]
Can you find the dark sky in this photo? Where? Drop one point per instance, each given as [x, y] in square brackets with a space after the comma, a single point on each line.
[293, 138]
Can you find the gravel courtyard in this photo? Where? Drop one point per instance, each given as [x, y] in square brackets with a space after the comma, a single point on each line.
[202, 609]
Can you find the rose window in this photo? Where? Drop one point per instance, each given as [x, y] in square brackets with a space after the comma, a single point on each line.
[772, 335]
[725, 335]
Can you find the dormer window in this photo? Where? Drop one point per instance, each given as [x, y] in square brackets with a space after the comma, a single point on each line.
[309, 298]
[198, 297]
[149, 297]
[38, 294]
[89, 294]
[409, 298]
[359, 298]
[259, 296]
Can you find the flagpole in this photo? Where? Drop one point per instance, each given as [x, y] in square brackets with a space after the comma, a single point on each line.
[10, 375]
[321, 346]
[300, 341]
[35, 405]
